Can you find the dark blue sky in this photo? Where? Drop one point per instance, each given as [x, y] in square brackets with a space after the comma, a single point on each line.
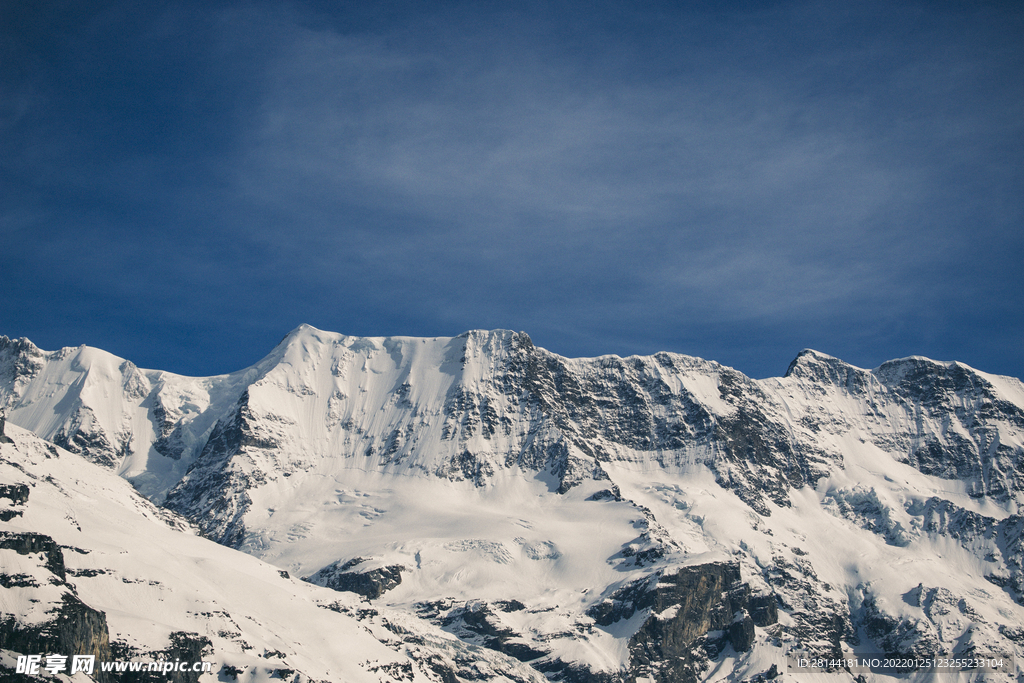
[183, 183]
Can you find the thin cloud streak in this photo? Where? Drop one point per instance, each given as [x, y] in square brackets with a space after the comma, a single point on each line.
[612, 176]
[654, 161]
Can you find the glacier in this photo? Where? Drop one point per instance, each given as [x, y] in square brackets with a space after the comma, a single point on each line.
[611, 519]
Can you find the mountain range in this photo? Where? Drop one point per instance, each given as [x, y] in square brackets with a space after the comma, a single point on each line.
[479, 508]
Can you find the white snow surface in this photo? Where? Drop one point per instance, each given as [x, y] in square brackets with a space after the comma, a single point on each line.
[154, 576]
[360, 466]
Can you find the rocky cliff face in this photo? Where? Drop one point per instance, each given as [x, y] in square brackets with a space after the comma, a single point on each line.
[943, 419]
[693, 613]
[57, 620]
[346, 576]
[53, 619]
[468, 407]
[116, 578]
[585, 488]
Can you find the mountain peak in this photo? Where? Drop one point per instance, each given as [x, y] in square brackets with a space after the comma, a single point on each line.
[512, 481]
[303, 331]
[17, 345]
[807, 358]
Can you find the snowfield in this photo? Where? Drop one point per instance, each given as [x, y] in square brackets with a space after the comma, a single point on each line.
[477, 508]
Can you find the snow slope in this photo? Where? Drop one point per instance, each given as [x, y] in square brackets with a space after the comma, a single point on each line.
[549, 508]
[152, 576]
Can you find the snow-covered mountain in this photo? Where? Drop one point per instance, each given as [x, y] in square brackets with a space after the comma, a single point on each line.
[91, 567]
[659, 517]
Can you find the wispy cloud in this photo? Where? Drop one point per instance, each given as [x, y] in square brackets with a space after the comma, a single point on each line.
[614, 175]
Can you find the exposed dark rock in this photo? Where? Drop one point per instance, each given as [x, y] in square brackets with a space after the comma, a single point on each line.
[606, 494]
[897, 636]
[370, 584]
[185, 647]
[3, 437]
[80, 435]
[466, 466]
[442, 669]
[818, 623]
[510, 605]
[182, 646]
[74, 629]
[864, 508]
[170, 441]
[939, 516]
[18, 581]
[741, 633]
[477, 622]
[763, 609]
[16, 493]
[1011, 544]
[229, 672]
[87, 573]
[27, 543]
[220, 516]
[20, 361]
[566, 672]
[625, 602]
[684, 608]
[954, 391]
[8, 514]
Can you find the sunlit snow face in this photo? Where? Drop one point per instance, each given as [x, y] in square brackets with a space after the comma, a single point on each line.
[480, 485]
